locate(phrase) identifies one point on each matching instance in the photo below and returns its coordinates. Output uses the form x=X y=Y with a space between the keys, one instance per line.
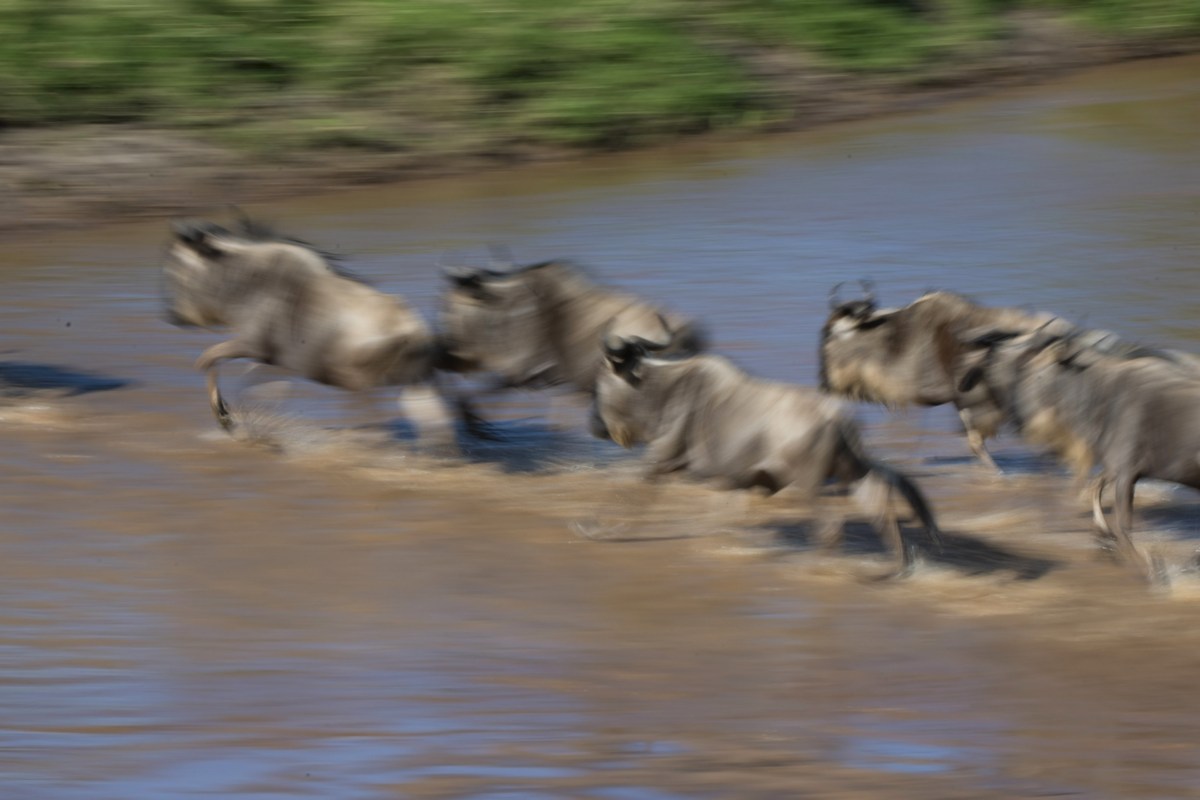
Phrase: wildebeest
x=908 y=356
x=541 y=325
x=292 y=306
x=1134 y=412
x=703 y=416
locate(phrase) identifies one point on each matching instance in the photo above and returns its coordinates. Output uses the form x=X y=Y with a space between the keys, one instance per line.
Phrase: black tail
x=912 y=495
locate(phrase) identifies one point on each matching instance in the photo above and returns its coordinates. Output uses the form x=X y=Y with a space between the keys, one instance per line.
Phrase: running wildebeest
x=1132 y=411
x=292 y=306
x=703 y=416
x=907 y=356
x=541 y=325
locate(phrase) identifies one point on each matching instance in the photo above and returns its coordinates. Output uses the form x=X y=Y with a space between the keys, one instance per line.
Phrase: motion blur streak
x=183 y=614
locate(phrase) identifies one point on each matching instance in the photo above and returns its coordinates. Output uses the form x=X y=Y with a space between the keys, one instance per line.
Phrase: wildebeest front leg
x=875 y=497
x=829 y=528
x=472 y=421
x=425 y=407
x=208 y=363
x=976 y=442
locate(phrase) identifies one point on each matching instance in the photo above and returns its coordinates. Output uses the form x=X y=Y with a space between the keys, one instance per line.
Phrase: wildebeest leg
x=829 y=529
x=1123 y=486
x=1103 y=533
x=874 y=496
x=976 y=442
x=424 y=406
x=475 y=424
x=207 y=363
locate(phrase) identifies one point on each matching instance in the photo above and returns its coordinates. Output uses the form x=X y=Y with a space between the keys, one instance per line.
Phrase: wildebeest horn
x=500 y=257
x=185 y=229
x=649 y=346
x=461 y=274
x=833 y=296
x=615 y=346
x=868 y=288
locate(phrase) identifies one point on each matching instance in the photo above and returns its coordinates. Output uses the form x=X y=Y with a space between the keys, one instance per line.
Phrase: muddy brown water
x=336 y=615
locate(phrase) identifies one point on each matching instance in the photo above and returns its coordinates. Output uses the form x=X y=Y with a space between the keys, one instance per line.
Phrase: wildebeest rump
x=703 y=416
x=908 y=356
x=542 y=325
x=292 y=306
x=1134 y=412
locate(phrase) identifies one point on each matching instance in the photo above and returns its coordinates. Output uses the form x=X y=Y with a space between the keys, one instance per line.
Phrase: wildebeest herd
x=1101 y=404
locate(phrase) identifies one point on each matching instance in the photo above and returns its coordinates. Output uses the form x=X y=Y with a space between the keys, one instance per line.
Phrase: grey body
x=703 y=416
x=909 y=356
x=288 y=305
x=1132 y=412
x=542 y=325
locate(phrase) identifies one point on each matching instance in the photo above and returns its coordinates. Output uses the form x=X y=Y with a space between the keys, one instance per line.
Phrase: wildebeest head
x=856 y=333
x=622 y=410
x=208 y=268
x=543 y=324
x=1009 y=365
x=192 y=274
x=491 y=320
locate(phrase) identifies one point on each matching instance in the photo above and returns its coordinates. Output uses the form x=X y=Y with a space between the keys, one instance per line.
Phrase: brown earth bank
x=75 y=176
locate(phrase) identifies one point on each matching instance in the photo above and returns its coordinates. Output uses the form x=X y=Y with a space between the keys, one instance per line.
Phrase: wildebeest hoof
x=225 y=420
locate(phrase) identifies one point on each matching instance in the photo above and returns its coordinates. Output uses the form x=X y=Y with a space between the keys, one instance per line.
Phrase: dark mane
x=258 y=231
x=561 y=262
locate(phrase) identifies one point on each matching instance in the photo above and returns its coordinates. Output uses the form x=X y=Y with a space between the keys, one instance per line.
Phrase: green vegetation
x=276 y=75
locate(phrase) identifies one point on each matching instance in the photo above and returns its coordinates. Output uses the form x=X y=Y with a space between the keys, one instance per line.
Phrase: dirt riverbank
x=73 y=176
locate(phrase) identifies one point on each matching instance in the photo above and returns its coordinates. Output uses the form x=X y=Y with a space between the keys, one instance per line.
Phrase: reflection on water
x=337 y=616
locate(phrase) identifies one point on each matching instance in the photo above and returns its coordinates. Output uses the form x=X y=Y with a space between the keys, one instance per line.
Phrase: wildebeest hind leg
x=874 y=496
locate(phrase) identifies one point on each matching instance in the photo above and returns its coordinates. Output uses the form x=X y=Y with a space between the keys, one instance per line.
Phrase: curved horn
x=499 y=257
x=649 y=346
x=459 y=273
x=868 y=288
x=834 y=300
x=615 y=347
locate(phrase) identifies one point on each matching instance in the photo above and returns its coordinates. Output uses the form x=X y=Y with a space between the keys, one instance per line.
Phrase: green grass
x=385 y=74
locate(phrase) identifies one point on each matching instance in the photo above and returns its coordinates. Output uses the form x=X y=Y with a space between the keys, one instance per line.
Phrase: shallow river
x=334 y=615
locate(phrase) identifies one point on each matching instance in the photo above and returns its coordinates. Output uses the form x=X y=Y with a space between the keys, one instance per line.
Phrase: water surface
x=185 y=615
